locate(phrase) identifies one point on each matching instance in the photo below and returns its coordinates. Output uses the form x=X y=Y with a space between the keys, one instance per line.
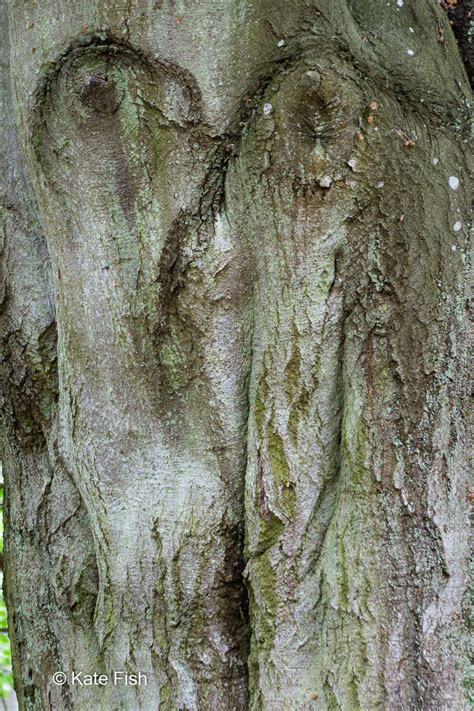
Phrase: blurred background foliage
x=6 y=677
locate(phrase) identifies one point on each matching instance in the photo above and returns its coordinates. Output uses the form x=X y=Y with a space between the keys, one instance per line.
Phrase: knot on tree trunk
x=102 y=95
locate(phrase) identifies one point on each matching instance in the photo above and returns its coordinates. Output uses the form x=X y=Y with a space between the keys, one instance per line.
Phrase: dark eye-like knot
x=100 y=93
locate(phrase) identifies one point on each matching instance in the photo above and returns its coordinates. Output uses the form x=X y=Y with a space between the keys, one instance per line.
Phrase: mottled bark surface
x=233 y=312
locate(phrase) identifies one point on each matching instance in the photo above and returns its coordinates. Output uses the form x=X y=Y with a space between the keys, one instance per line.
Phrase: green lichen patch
x=293 y=368
x=280 y=470
x=270 y=530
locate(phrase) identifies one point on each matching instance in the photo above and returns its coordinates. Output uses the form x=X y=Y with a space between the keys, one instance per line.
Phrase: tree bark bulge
x=233 y=315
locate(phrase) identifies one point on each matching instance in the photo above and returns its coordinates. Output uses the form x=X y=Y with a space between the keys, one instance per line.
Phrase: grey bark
x=233 y=321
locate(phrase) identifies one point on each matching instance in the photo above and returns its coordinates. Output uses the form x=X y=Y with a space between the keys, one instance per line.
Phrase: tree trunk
x=234 y=369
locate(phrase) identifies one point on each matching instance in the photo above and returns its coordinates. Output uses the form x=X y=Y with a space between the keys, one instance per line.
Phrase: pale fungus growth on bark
x=453 y=182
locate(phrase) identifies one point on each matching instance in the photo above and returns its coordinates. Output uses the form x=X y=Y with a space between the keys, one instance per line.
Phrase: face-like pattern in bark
x=241 y=243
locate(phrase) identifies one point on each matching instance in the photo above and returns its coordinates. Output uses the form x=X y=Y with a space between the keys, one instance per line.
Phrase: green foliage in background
x=6 y=677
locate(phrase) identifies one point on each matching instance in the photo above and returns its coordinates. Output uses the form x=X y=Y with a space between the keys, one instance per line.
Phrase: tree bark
x=234 y=369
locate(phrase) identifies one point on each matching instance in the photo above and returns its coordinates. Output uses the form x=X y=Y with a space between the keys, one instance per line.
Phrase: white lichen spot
x=410 y=53
x=400 y=3
x=457 y=226
x=435 y=161
x=453 y=182
x=325 y=181
x=352 y=163
x=453 y=248
x=380 y=184
x=267 y=109
x=281 y=43
x=411 y=30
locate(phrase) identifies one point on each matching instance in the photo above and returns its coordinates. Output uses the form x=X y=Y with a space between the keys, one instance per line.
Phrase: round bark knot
x=96 y=85
x=99 y=92
x=310 y=81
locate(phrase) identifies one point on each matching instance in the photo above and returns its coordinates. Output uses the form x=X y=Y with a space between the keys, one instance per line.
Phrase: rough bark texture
x=461 y=16
x=234 y=257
